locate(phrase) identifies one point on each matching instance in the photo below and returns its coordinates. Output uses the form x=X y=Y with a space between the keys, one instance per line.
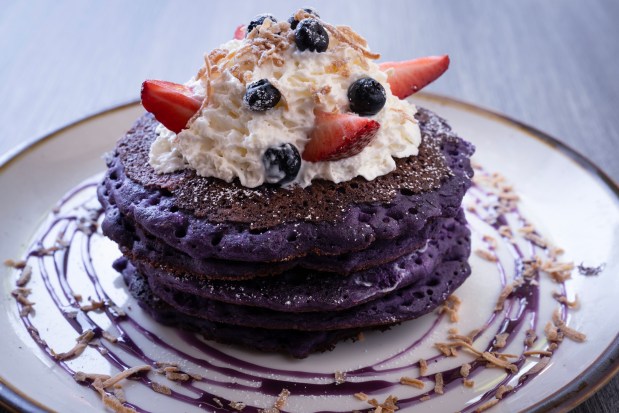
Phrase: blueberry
x=366 y=96
x=261 y=95
x=281 y=164
x=258 y=20
x=293 y=22
x=310 y=35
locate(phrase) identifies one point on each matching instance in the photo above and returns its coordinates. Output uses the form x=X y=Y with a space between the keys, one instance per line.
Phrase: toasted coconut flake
x=502 y=390
x=109 y=337
x=539 y=366
x=94 y=306
x=237 y=405
x=491 y=241
x=78 y=349
x=499 y=362
x=527 y=229
x=346 y=35
x=531 y=267
x=319 y=94
x=465 y=370
x=468 y=383
x=450 y=307
x=111 y=402
x=124 y=374
x=555 y=252
x=102 y=381
x=457 y=344
x=558 y=271
x=425 y=398
x=196 y=377
x=119 y=393
x=390 y=403
x=21 y=296
x=81 y=377
x=446 y=349
x=471 y=335
x=164 y=364
x=536 y=239
x=18 y=265
x=409 y=381
x=438 y=383
x=160 y=388
x=564 y=300
x=506 y=292
x=552 y=333
x=43 y=251
x=423 y=367
x=486 y=255
x=362 y=396
x=117 y=311
x=176 y=376
x=340 y=377
x=505 y=231
x=505 y=356
x=36 y=336
x=282 y=399
x=507 y=196
x=219 y=403
x=567 y=331
x=545 y=353
x=459 y=337
x=24 y=277
x=487 y=405
x=500 y=340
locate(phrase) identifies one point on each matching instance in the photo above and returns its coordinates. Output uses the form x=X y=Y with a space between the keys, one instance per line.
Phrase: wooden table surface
x=551 y=64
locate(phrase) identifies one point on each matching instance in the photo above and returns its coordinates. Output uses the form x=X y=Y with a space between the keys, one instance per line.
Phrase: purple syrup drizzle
x=526 y=298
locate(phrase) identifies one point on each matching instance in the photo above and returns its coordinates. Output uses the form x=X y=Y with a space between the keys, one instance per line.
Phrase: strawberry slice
x=239 y=33
x=171 y=103
x=337 y=136
x=411 y=76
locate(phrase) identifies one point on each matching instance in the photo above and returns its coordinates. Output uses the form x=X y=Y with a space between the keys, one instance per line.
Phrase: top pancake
x=209 y=218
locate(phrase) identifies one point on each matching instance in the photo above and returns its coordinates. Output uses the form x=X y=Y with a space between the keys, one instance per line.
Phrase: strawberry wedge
x=411 y=76
x=172 y=104
x=239 y=33
x=337 y=136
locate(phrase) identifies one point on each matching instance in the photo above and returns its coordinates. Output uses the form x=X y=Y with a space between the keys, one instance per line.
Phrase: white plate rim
x=580 y=388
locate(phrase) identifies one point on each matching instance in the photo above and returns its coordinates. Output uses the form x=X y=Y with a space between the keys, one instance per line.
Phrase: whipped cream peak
x=235 y=134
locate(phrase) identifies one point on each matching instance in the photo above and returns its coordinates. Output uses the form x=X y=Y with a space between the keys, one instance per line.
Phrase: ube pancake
x=298 y=344
x=209 y=218
x=138 y=245
x=301 y=291
x=400 y=305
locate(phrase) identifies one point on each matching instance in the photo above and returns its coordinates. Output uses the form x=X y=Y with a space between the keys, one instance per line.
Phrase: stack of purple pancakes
x=292 y=270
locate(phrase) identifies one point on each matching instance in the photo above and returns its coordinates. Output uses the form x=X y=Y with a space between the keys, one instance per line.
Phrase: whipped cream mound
x=226 y=140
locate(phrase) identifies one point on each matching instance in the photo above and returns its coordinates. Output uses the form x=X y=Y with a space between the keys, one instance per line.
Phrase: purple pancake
x=140 y=246
x=207 y=218
x=403 y=304
x=298 y=344
x=302 y=291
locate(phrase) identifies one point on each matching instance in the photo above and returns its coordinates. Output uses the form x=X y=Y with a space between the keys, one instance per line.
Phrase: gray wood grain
x=551 y=64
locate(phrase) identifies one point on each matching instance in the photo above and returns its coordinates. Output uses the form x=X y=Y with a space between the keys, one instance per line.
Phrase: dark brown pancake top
x=269 y=205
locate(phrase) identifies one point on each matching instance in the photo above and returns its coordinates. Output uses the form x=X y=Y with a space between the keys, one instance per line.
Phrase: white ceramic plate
x=571 y=203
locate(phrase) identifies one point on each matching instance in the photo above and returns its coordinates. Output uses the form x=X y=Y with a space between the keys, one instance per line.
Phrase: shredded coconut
x=409 y=381
x=438 y=383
